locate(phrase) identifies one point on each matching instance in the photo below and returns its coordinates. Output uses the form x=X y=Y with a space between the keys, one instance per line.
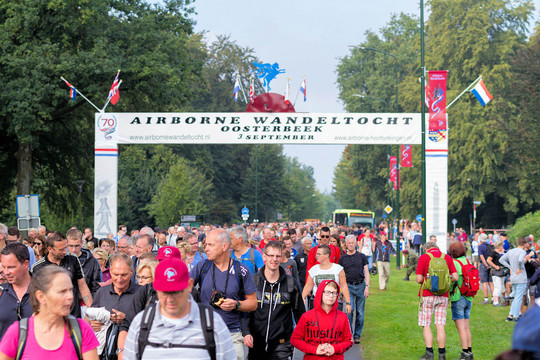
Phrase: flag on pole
x=481 y=92
x=114 y=92
x=236 y=89
x=393 y=171
x=72 y=90
x=287 y=90
x=303 y=88
x=251 y=91
x=406 y=156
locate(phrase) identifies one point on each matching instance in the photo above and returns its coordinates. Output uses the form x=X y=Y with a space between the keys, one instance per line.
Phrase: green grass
x=391 y=328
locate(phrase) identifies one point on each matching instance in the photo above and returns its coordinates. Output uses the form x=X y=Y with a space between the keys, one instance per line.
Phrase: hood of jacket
x=85 y=256
x=317 y=303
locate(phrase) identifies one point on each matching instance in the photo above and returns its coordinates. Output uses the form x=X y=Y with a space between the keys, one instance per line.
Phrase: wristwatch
x=119 y=350
x=367 y=285
x=347 y=303
x=238 y=304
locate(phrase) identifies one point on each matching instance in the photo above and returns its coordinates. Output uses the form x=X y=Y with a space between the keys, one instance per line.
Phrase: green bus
x=350 y=217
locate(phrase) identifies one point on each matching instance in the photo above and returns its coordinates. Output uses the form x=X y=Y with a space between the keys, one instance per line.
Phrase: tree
x=184 y=191
x=42 y=40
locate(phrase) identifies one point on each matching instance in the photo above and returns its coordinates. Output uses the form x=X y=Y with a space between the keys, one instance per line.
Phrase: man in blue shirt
x=226 y=284
x=243 y=252
x=196 y=254
x=483 y=268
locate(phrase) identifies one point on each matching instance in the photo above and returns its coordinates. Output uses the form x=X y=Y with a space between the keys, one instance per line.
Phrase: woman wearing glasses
x=324 y=331
x=145 y=272
x=49 y=329
x=40 y=249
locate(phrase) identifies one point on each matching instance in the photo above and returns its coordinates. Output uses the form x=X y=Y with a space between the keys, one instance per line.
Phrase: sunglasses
x=325 y=236
x=36 y=243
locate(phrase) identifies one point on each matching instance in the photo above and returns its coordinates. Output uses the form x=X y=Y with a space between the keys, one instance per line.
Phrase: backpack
x=438 y=277
x=74 y=329
x=251 y=259
x=471 y=279
x=207 y=324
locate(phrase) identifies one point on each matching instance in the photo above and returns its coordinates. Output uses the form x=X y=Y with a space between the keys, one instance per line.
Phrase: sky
x=306 y=38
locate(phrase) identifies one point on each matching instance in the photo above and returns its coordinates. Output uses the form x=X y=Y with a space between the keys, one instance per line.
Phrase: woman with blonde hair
x=145 y=272
x=102 y=257
x=50 y=329
x=185 y=249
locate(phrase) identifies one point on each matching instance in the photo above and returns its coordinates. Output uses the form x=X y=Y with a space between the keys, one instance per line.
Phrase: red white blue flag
x=236 y=89
x=303 y=88
x=481 y=92
x=251 y=92
x=72 y=90
x=114 y=92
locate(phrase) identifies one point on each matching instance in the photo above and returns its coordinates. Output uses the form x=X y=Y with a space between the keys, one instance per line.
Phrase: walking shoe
x=427 y=356
x=357 y=340
x=405 y=279
x=485 y=302
x=509 y=318
x=500 y=304
x=465 y=356
x=442 y=356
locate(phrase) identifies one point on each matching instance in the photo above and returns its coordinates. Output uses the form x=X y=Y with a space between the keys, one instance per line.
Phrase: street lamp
x=474 y=205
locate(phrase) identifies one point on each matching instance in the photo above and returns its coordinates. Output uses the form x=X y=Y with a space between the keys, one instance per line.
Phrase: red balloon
x=270 y=102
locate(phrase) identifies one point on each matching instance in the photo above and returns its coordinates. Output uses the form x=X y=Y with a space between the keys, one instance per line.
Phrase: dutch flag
x=303 y=88
x=481 y=92
x=236 y=89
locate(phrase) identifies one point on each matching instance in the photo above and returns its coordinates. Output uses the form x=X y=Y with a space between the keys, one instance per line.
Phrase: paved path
x=354 y=353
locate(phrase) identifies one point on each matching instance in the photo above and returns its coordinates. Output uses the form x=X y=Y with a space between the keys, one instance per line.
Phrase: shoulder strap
x=146 y=325
x=252 y=259
x=290 y=284
x=239 y=278
x=23 y=333
x=206 y=265
x=74 y=329
x=207 y=323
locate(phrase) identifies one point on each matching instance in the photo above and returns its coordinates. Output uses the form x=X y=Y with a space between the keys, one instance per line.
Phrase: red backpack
x=471 y=279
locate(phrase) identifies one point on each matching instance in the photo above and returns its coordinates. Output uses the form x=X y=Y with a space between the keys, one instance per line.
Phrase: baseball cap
x=168 y=252
x=527 y=331
x=171 y=275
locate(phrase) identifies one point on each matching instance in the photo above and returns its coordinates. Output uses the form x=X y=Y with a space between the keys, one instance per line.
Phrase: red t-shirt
x=423 y=266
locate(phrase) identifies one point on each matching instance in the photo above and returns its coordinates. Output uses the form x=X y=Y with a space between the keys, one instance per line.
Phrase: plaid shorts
x=439 y=304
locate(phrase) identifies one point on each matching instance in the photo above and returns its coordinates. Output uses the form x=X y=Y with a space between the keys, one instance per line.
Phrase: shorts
x=461 y=309
x=475 y=258
x=430 y=304
x=530 y=290
x=485 y=274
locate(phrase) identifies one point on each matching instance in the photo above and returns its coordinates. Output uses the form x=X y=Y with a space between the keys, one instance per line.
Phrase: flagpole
x=80 y=93
x=242 y=89
x=464 y=91
x=297 y=92
x=110 y=97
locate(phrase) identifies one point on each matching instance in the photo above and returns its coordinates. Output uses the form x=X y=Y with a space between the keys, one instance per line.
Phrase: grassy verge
x=391 y=328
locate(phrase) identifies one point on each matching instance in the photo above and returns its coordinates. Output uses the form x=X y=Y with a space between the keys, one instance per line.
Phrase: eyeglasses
x=325 y=236
x=330 y=293
x=144 y=277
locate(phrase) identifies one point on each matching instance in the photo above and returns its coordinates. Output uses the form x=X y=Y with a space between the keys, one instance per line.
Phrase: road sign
x=245 y=217
x=454 y=221
x=477 y=202
x=419 y=217
x=27 y=205
x=384 y=216
x=245 y=211
x=388 y=209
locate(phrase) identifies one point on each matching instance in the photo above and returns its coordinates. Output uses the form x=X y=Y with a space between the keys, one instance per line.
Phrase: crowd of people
x=213 y=291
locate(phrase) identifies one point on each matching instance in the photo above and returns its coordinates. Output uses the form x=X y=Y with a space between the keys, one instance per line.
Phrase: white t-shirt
x=319 y=275
x=474 y=246
x=366 y=246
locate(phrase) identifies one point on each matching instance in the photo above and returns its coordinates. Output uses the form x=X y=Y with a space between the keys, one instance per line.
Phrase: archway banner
x=258 y=128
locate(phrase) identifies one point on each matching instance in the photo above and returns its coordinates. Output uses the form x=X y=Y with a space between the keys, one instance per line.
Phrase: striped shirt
x=187 y=330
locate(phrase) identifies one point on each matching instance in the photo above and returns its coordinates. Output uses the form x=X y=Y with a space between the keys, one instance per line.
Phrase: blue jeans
x=370 y=262
x=358 y=302
x=518 y=290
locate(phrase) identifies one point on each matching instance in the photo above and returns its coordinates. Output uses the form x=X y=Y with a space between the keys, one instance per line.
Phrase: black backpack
x=74 y=329
x=207 y=323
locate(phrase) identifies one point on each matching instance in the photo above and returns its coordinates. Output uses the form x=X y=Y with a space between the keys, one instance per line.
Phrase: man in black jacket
x=267 y=331
x=90 y=266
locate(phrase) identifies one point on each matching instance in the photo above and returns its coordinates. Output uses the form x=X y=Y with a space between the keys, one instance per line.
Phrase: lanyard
x=226 y=280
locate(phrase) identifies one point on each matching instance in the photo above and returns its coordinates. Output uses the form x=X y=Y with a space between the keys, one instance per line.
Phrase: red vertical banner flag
x=393 y=171
x=406 y=156
x=437 y=105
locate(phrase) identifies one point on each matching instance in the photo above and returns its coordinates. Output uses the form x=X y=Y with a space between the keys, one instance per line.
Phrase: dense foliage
x=492 y=146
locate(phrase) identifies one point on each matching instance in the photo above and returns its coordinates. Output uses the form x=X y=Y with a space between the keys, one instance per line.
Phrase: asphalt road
x=354 y=353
